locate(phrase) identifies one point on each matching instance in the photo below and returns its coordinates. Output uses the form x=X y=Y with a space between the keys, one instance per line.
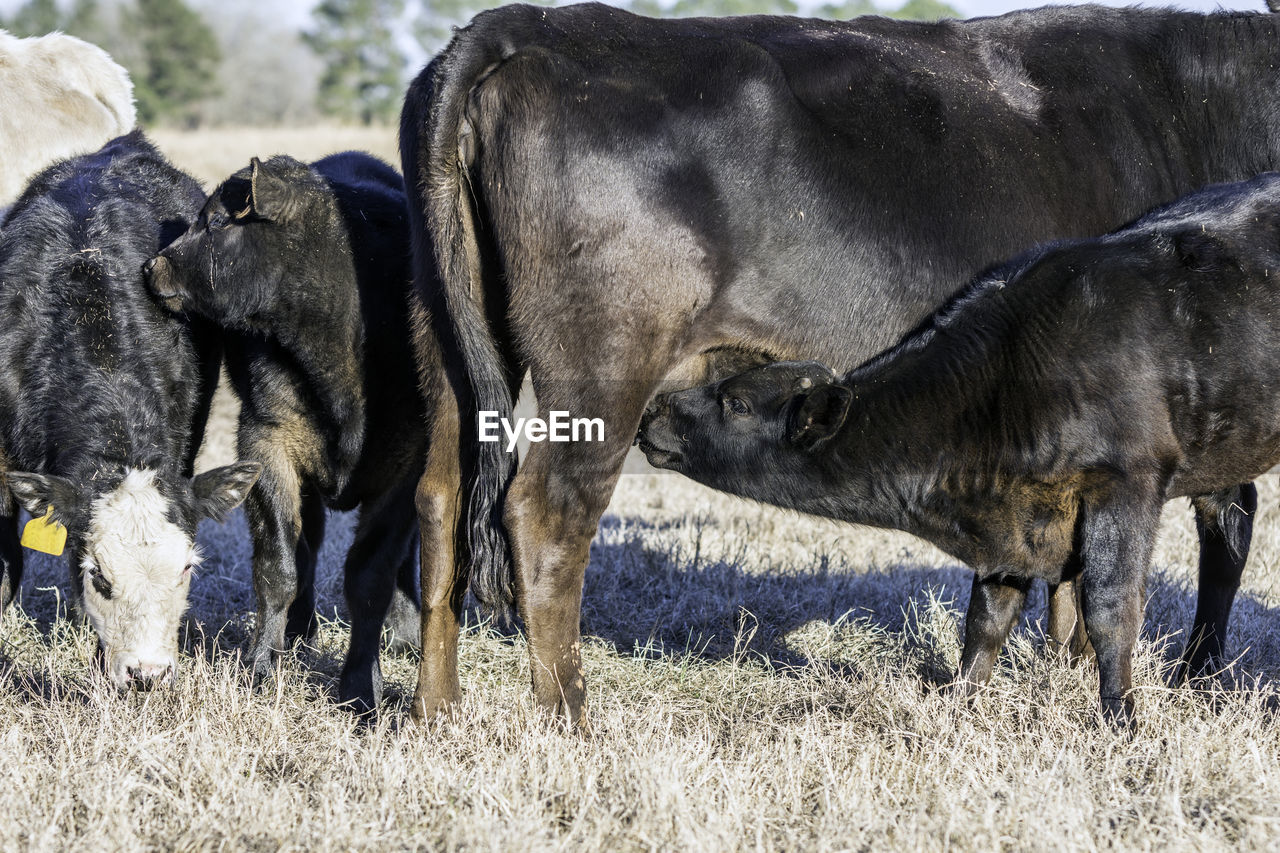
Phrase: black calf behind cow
x=306 y=270
x=103 y=398
x=1036 y=424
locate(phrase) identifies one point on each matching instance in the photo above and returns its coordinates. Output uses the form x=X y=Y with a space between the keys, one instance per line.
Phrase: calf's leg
x=404 y=619
x=274 y=511
x=383 y=537
x=1067 y=634
x=302 y=623
x=994 y=606
x=10 y=554
x=1224 y=521
x=1117 y=538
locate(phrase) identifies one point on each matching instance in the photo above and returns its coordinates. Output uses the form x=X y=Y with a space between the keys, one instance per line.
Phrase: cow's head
x=749 y=434
x=133 y=543
x=230 y=264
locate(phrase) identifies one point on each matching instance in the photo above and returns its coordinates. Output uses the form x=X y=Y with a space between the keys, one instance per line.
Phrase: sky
x=292 y=11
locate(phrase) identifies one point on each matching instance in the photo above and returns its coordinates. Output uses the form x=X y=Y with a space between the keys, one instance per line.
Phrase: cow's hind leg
x=384 y=535
x=552 y=512
x=1224 y=521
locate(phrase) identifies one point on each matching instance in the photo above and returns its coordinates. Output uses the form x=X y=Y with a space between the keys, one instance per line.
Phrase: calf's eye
x=737 y=406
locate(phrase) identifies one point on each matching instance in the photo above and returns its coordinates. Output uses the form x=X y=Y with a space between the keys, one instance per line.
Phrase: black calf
x=1035 y=425
x=306 y=267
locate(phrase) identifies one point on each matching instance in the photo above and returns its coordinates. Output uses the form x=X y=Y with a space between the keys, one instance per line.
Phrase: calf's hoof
x=403 y=627
x=360 y=690
x=302 y=625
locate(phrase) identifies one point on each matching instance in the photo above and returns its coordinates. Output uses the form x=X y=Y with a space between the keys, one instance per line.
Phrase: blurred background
x=277 y=63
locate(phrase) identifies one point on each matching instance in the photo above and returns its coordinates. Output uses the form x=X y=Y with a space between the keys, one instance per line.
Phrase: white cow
x=59 y=96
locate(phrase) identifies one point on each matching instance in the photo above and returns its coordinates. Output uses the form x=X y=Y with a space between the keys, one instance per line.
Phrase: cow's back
x=805 y=179
x=90 y=365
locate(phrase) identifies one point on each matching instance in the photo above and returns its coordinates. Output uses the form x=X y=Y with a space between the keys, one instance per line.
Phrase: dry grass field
x=759 y=681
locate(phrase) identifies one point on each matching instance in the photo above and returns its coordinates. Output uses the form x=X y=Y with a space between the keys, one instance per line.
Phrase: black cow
x=104 y=396
x=617 y=201
x=307 y=270
x=1036 y=424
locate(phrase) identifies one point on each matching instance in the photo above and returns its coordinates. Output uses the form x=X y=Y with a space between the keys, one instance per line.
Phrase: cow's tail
x=437 y=148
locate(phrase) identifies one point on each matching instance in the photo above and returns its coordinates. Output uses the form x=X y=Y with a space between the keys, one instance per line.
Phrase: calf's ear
x=36 y=493
x=223 y=489
x=819 y=416
x=270 y=197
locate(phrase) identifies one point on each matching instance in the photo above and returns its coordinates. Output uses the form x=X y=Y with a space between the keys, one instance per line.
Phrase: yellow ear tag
x=45 y=535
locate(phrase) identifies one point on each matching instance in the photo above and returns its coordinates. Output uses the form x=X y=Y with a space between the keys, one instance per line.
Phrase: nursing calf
x=306 y=270
x=103 y=398
x=1034 y=426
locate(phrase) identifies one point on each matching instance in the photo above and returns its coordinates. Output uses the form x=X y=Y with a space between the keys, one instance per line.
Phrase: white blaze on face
x=137 y=571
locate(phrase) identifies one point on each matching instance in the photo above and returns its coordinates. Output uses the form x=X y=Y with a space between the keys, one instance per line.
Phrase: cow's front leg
x=994 y=606
x=1117 y=539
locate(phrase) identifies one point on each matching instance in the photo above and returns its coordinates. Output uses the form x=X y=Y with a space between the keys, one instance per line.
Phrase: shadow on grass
x=646 y=595
x=661 y=600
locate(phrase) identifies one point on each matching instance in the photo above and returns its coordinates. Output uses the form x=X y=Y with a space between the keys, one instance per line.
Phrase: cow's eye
x=98 y=581
x=736 y=406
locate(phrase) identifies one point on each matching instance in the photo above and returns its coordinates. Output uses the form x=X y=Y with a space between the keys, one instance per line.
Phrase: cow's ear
x=270 y=197
x=1200 y=251
x=223 y=489
x=819 y=416
x=37 y=493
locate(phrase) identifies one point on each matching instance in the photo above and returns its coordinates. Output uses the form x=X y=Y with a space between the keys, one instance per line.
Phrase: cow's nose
x=148 y=675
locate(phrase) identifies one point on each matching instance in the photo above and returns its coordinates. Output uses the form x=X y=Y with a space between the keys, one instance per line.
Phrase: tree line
x=211 y=60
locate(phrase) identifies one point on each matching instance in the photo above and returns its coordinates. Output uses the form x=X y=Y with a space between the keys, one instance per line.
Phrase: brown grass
x=759 y=681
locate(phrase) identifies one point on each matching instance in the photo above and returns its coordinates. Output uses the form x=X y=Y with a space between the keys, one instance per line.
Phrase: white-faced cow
x=104 y=396
x=617 y=201
x=59 y=96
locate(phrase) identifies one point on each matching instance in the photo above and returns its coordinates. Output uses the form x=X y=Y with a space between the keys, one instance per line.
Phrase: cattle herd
x=1002 y=283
